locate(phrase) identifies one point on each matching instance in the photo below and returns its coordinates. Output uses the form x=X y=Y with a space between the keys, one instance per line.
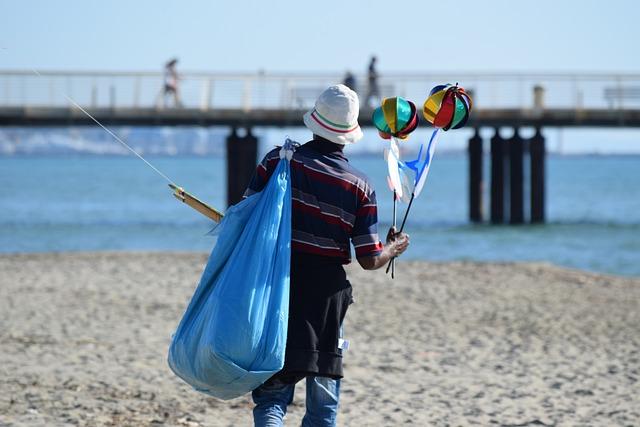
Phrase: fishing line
x=112 y=134
x=178 y=192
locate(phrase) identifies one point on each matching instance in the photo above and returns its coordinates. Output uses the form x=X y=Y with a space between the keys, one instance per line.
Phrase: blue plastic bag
x=233 y=334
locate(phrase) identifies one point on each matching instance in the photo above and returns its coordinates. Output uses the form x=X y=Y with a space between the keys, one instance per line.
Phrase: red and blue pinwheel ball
x=447 y=107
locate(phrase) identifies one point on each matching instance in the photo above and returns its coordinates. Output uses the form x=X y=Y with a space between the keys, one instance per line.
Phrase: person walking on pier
x=373 y=91
x=170 y=85
x=350 y=81
x=333 y=206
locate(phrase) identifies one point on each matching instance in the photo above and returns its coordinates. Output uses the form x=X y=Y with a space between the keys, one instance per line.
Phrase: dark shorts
x=319 y=298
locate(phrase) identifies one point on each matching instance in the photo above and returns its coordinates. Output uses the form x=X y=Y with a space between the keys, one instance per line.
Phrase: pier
x=244 y=101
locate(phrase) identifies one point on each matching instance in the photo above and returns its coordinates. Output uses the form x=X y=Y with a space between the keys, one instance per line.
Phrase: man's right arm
x=396 y=244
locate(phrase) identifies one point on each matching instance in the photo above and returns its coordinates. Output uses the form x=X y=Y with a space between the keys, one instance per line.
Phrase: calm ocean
x=83 y=202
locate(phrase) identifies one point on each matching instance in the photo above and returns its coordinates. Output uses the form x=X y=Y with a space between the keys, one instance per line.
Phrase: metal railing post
x=94 y=95
x=619 y=93
x=285 y=101
x=136 y=92
x=521 y=90
x=23 y=91
x=205 y=94
x=246 y=103
x=51 y=91
x=69 y=87
x=6 y=90
x=112 y=96
x=210 y=99
x=576 y=94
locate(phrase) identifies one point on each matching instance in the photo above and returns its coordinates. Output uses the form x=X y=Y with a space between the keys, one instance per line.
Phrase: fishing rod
x=178 y=192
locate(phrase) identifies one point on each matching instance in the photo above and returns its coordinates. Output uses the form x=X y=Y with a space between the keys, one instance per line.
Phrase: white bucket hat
x=335 y=116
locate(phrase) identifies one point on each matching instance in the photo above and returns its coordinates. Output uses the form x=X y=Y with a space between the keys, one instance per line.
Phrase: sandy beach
x=84 y=336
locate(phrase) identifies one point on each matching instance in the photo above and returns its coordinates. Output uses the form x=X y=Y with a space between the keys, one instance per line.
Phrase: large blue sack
x=233 y=334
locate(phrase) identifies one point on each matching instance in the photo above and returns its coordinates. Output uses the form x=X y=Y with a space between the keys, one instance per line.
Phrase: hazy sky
x=331 y=35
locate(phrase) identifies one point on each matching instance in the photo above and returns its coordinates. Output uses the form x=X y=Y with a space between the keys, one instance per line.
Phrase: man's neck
x=330 y=146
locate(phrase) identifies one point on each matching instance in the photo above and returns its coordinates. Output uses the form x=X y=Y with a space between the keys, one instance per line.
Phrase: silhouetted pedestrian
x=170 y=85
x=350 y=81
x=373 y=89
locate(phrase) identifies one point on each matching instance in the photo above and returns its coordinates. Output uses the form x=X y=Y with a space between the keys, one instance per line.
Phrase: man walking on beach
x=333 y=205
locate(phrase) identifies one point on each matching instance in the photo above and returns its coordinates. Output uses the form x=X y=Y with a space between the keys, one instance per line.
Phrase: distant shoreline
x=16 y=256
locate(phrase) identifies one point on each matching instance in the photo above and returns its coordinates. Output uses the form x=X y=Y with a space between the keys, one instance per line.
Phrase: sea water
x=91 y=203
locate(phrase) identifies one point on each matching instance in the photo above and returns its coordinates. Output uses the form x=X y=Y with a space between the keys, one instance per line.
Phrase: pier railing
x=205 y=91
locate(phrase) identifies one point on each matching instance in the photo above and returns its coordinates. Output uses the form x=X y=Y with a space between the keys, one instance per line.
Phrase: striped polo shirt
x=333 y=204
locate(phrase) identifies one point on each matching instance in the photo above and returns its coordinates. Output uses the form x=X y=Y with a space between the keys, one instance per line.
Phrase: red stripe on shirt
x=328 y=179
x=366 y=210
x=311 y=249
x=315 y=211
x=369 y=250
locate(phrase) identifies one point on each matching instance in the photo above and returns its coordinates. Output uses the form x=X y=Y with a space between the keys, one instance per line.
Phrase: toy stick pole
x=406 y=214
x=393 y=264
x=196 y=203
x=404 y=220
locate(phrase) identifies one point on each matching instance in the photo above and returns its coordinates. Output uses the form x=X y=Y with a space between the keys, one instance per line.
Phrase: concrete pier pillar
x=516 y=178
x=242 y=157
x=537 y=150
x=475 y=177
x=497 y=178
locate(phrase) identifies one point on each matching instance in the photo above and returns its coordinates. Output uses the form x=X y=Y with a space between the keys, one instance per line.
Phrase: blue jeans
x=272 y=399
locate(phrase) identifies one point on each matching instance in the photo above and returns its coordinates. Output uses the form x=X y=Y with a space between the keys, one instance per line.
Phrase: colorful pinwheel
x=395 y=119
x=447 y=107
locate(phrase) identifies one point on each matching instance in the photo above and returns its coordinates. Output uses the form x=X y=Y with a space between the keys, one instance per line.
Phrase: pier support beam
x=497 y=178
x=516 y=178
x=242 y=154
x=475 y=178
x=537 y=150
x=507 y=175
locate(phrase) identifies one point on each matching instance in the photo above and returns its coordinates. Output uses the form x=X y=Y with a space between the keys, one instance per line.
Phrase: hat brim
x=343 y=138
